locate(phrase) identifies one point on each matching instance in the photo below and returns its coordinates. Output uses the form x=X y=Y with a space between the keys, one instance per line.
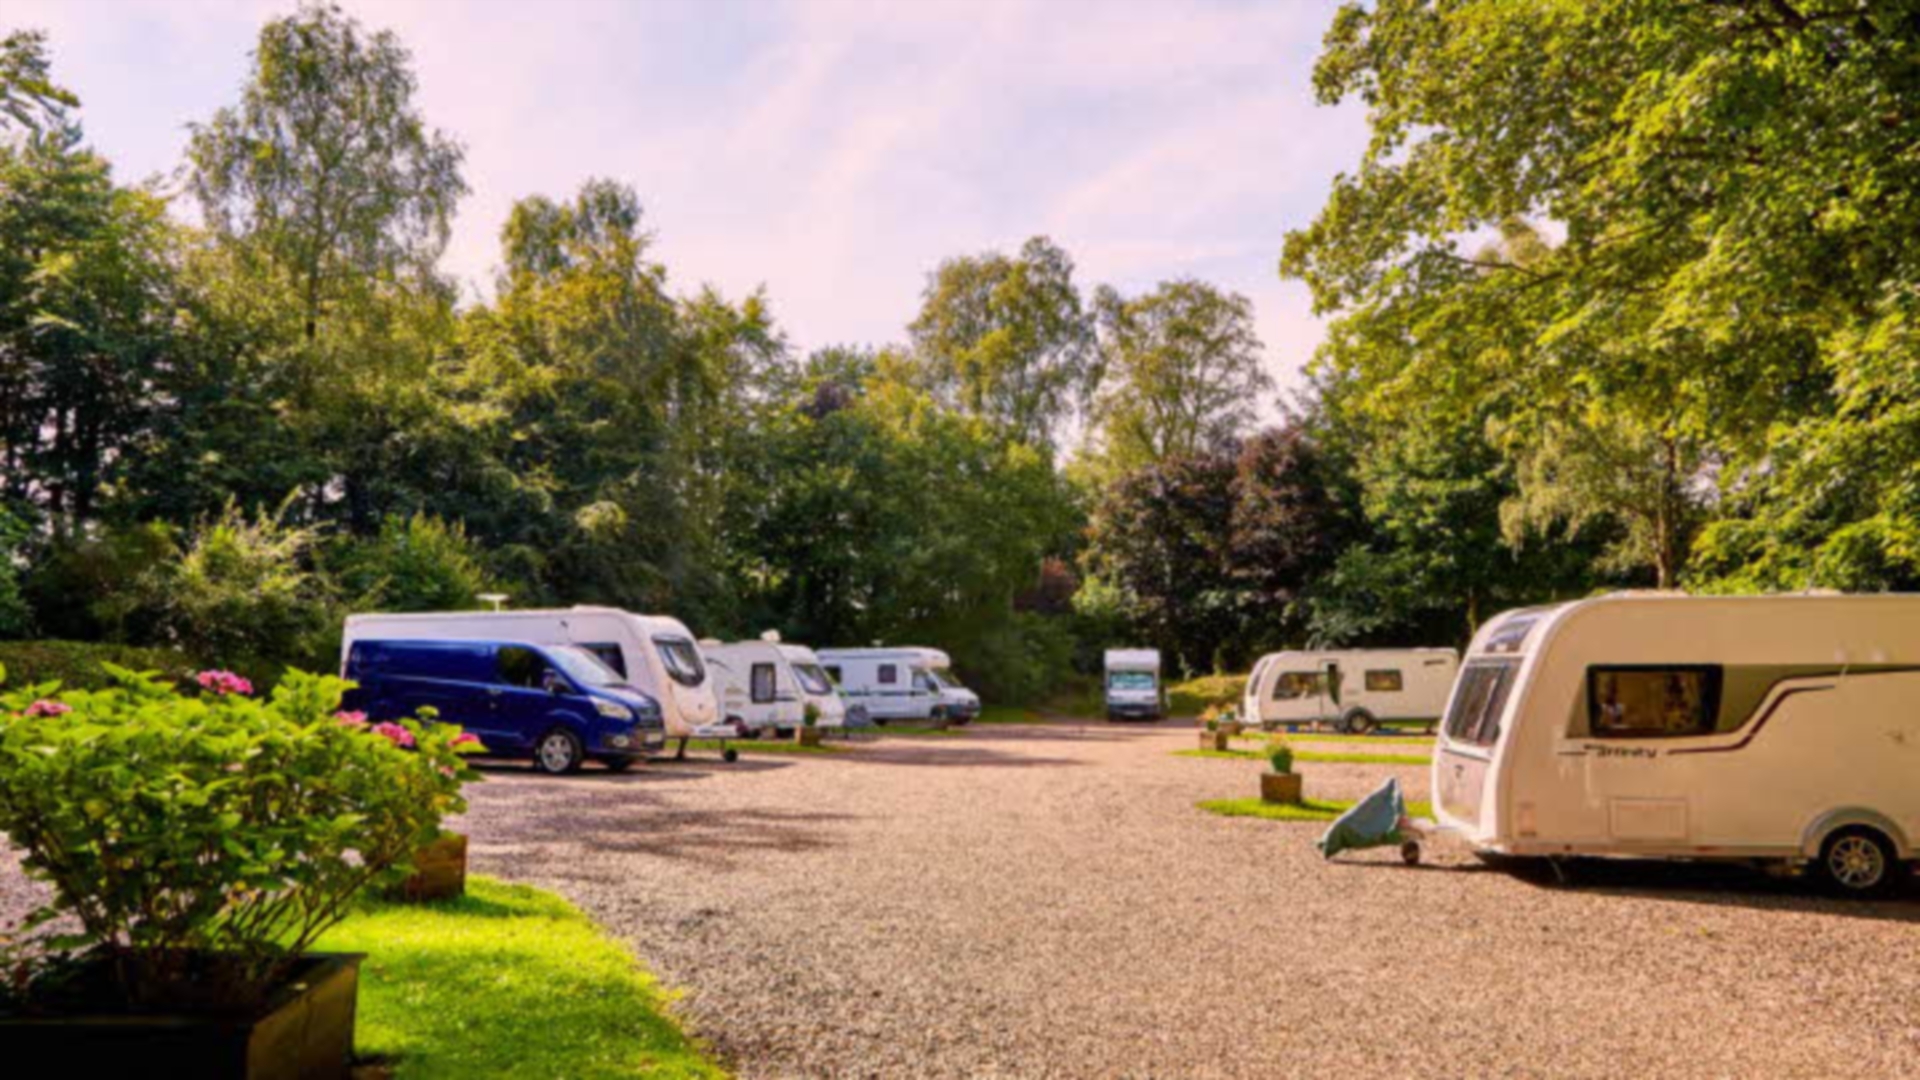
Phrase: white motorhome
x=903 y=682
x=765 y=686
x=1354 y=690
x=1775 y=729
x=1132 y=685
x=656 y=653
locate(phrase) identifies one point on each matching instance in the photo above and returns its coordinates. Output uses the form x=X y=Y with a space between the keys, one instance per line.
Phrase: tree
x=326 y=170
x=418 y=563
x=1180 y=372
x=1007 y=338
x=30 y=101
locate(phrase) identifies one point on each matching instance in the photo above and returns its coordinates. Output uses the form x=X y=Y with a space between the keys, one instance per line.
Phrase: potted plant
x=196 y=846
x=809 y=730
x=1230 y=719
x=1211 y=736
x=1280 y=784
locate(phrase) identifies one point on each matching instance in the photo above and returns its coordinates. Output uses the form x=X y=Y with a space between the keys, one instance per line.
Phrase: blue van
x=556 y=704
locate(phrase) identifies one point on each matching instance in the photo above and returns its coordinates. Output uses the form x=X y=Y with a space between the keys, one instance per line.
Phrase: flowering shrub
x=223 y=682
x=202 y=843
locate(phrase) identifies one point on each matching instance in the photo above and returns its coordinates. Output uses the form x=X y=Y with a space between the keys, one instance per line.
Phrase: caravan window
x=1652 y=702
x=833 y=672
x=1293 y=685
x=1478 y=701
x=682 y=660
x=889 y=674
x=761 y=683
x=812 y=679
x=609 y=655
x=1384 y=682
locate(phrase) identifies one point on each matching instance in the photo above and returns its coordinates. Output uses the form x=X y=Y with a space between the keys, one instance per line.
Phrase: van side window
x=889 y=675
x=609 y=655
x=1384 y=682
x=520 y=666
x=923 y=683
x=1653 y=702
x=1293 y=685
x=760 y=680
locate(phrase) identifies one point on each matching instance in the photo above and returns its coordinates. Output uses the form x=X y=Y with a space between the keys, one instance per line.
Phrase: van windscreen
x=1473 y=717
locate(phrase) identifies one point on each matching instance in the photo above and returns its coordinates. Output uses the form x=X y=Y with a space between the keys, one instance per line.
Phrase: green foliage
x=16 y=618
x=29 y=98
x=1280 y=756
x=1188 y=698
x=1304 y=810
x=82 y=665
x=202 y=843
x=481 y=984
x=418 y=563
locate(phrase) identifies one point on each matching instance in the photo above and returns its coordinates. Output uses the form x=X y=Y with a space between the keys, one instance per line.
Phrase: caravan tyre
x=1357 y=722
x=1858 y=862
x=558 y=752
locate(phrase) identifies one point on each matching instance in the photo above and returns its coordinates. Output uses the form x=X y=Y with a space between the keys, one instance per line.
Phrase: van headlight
x=612 y=710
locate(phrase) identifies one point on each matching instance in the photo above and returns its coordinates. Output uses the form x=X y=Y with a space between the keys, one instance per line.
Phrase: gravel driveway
x=1045 y=901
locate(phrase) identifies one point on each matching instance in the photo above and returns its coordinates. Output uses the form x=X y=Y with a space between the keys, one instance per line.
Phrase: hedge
x=76 y=664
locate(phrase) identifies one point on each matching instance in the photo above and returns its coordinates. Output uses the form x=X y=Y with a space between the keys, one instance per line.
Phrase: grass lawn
x=1307 y=810
x=509 y=981
x=1330 y=758
x=1417 y=742
x=750 y=747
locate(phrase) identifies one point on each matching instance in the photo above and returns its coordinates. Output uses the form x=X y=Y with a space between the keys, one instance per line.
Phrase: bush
x=1190 y=697
x=416 y=564
x=82 y=665
x=202 y=842
x=1280 y=756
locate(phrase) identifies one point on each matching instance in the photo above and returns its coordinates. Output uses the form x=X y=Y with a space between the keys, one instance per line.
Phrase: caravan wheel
x=1357 y=722
x=1857 y=862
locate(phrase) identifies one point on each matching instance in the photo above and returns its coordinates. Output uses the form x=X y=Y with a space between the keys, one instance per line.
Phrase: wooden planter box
x=1233 y=727
x=440 y=871
x=1280 y=787
x=807 y=736
x=304 y=1031
x=1214 y=740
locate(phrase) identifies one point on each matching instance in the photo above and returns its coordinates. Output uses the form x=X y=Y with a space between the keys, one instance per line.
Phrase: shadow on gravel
x=548 y=832
x=657 y=772
x=944 y=754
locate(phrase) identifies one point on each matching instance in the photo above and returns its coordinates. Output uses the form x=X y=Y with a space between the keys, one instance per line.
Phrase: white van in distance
x=1355 y=690
x=1782 y=730
x=656 y=653
x=1133 y=685
x=903 y=682
x=765 y=686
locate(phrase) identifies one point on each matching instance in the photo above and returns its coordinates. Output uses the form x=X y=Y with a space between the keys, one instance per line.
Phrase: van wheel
x=558 y=753
x=1857 y=861
x=1358 y=722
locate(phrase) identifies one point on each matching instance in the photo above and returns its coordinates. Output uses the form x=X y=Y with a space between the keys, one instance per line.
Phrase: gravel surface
x=1045 y=901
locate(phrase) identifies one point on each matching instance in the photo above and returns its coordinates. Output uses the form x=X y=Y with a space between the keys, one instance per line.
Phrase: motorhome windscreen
x=1473 y=717
x=947 y=680
x=584 y=668
x=812 y=679
x=1130 y=680
x=682 y=660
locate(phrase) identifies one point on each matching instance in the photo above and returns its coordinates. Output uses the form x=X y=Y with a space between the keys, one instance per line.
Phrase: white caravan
x=1354 y=690
x=1775 y=729
x=902 y=682
x=657 y=654
x=765 y=686
x=1132 y=684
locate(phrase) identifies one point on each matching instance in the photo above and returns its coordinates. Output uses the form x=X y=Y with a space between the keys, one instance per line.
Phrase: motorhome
x=903 y=682
x=656 y=654
x=1353 y=690
x=556 y=704
x=1772 y=729
x=765 y=686
x=1132 y=685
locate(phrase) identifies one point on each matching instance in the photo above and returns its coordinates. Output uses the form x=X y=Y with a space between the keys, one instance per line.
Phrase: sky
x=832 y=152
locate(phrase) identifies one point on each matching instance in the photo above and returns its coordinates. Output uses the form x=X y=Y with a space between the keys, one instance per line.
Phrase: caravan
x=656 y=654
x=1132 y=685
x=1772 y=729
x=1354 y=690
x=765 y=686
x=902 y=682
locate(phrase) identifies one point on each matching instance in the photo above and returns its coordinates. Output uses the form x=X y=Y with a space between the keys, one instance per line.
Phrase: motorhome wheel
x=1857 y=862
x=559 y=753
x=1357 y=722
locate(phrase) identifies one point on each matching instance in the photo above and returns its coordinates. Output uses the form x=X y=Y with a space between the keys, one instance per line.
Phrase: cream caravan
x=1353 y=690
x=655 y=653
x=1774 y=729
x=765 y=686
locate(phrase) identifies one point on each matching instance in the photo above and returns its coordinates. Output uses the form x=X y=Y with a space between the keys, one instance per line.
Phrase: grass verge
x=1421 y=742
x=1330 y=758
x=509 y=981
x=1305 y=810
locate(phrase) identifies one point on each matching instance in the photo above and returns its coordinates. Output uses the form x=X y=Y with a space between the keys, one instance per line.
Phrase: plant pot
x=304 y=1031
x=1280 y=787
x=1233 y=727
x=440 y=871
x=806 y=736
x=1213 y=740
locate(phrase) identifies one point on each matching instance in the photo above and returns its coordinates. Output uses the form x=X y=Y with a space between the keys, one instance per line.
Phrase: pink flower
x=465 y=738
x=395 y=734
x=351 y=718
x=48 y=708
x=223 y=682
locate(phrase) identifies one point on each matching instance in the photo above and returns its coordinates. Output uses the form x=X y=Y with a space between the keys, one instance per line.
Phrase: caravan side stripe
x=1758 y=724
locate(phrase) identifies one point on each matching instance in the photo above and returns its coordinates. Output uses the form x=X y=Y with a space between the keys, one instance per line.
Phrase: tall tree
x=31 y=103
x=1007 y=338
x=1180 y=372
